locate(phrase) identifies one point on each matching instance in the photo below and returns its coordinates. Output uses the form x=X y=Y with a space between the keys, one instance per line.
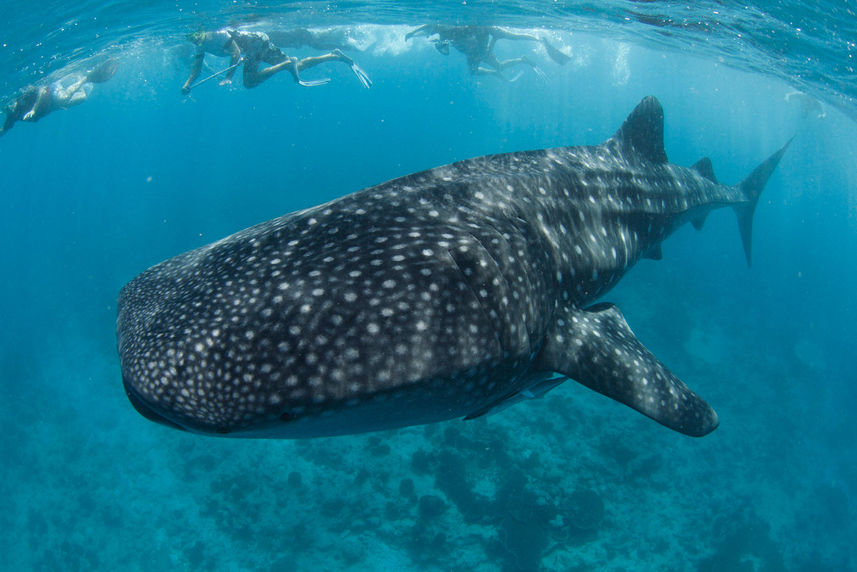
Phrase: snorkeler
x=477 y=45
x=252 y=49
x=218 y=44
x=808 y=104
x=35 y=102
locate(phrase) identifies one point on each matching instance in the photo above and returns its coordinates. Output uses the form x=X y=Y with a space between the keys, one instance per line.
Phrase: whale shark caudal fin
x=595 y=347
x=643 y=132
x=751 y=188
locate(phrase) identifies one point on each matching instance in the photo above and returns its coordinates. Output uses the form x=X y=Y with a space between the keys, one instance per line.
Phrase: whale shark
x=449 y=293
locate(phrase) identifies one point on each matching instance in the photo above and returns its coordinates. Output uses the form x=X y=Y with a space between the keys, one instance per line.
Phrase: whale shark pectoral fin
x=596 y=347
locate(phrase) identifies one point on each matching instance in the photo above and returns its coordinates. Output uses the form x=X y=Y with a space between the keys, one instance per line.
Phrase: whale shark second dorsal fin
x=706 y=169
x=643 y=131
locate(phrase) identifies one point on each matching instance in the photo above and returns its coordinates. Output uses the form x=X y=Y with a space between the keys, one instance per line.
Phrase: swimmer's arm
x=40 y=107
x=195 y=70
x=234 y=58
x=422 y=30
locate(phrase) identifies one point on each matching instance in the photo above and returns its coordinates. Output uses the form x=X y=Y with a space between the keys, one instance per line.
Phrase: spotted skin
x=447 y=293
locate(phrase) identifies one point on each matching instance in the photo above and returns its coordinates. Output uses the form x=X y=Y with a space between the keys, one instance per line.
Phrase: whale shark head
x=347 y=318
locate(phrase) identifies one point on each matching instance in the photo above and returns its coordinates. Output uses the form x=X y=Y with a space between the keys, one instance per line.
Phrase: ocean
x=140 y=172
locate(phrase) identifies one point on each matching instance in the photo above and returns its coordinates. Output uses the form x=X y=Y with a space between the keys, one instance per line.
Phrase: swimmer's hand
x=227 y=81
x=29 y=115
x=185 y=89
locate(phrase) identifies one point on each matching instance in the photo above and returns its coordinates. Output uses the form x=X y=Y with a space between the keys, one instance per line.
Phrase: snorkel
x=196 y=38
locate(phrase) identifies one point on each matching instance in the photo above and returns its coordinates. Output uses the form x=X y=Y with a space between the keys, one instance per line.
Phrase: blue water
x=95 y=194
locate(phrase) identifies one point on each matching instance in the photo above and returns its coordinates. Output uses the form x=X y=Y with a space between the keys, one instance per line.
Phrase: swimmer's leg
x=334 y=56
x=75 y=98
x=253 y=76
x=506 y=64
x=482 y=70
x=503 y=34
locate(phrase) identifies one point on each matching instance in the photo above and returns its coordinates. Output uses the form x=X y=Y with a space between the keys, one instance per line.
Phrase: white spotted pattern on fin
x=596 y=347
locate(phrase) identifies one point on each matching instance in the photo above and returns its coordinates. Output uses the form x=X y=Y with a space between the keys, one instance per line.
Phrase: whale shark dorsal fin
x=596 y=347
x=643 y=131
x=706 y=169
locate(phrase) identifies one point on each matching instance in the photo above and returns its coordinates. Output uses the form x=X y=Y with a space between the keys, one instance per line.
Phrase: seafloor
x=561 y=483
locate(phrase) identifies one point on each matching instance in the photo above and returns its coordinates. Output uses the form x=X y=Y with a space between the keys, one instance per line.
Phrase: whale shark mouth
x=145 y=409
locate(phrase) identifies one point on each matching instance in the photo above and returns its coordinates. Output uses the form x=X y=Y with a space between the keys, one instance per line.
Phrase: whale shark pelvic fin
x=596 y=347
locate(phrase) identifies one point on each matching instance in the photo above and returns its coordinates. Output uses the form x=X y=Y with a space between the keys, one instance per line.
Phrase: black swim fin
x=103 y=72
x=555 y=54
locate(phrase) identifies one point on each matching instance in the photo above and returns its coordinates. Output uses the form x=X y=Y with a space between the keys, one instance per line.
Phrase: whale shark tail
x=751 y=188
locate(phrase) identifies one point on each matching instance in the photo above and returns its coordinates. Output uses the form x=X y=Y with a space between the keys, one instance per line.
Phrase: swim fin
x=313 y=82
x=358 y=71
x=103 y=72
x=514 y=78
x=361 y=75
x=555 y=54
x=540 y=73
